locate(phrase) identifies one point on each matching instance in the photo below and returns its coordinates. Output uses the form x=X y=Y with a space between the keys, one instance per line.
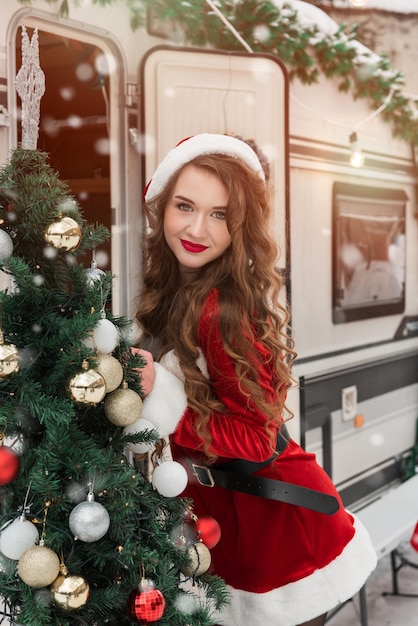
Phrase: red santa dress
x=283 y=564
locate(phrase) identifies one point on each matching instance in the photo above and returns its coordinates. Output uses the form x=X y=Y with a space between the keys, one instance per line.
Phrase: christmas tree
x=85 y=538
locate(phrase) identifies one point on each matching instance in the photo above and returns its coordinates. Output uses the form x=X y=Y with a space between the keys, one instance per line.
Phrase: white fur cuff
x=166 y=403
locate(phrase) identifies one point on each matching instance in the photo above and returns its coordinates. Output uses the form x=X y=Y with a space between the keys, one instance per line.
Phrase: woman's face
x=195 y=218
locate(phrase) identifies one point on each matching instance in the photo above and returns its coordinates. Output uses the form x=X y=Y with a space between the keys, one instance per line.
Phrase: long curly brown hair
x=249 y=288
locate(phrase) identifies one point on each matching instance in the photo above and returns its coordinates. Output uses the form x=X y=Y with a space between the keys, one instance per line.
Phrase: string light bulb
x=359 y=3
x=356 y=156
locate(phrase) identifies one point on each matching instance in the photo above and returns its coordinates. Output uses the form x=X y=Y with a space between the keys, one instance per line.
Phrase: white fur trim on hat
x=195 y=146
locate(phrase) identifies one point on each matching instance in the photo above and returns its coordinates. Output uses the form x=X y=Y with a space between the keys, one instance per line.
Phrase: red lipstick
x=192 y=247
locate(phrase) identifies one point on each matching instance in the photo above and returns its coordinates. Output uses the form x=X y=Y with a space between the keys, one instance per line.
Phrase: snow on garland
x=301 y=35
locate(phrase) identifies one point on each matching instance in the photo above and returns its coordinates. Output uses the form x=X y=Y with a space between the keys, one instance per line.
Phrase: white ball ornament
x=89 y=521
x=105 y=336
x=18 y=537
x=6 y=247
x=170 y=479
x=135 y=428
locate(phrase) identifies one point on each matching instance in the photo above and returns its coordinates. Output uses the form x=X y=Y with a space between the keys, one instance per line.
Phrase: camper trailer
x=116 y=100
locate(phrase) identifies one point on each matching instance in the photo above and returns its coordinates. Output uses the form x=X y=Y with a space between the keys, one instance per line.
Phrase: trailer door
x=186 y=91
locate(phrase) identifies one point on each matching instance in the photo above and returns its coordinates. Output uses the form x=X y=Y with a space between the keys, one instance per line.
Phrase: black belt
x=236 y=475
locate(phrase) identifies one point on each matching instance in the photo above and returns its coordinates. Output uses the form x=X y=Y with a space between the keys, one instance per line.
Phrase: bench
x=389 y=520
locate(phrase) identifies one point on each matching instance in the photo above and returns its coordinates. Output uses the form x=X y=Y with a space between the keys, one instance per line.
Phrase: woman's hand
x=147 y=372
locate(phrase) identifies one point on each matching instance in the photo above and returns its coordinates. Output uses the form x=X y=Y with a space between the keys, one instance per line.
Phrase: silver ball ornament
x=89 y=521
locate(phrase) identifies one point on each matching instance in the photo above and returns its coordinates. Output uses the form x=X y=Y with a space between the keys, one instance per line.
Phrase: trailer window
x=369 y=252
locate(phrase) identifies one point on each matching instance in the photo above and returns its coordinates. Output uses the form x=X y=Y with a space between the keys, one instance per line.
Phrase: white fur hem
x=309 y=597
x=166 y=403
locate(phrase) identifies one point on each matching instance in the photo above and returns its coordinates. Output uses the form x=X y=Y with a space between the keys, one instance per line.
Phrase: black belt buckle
x=203 y=475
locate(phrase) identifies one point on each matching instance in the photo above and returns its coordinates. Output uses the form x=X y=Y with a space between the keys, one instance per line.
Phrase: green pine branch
x=307 y=52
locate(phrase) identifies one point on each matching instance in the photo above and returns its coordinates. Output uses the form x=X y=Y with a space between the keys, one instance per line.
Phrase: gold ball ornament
x=69 y=592
x=111 y=370
x=38 y=566
x=199 y=559
x=63 y=234
x=87 y=387
x=8 y=358
x=123 y=406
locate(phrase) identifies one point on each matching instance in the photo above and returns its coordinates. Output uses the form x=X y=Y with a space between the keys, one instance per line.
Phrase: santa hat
x=195 y=146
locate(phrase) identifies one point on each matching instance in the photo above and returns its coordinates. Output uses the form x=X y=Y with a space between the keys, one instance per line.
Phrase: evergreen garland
x=307 y=52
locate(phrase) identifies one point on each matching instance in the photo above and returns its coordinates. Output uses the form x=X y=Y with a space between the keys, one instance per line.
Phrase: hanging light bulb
x=356 y=157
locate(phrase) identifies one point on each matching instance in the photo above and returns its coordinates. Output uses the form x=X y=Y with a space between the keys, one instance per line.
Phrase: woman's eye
x=220 y=215
x=184 y=207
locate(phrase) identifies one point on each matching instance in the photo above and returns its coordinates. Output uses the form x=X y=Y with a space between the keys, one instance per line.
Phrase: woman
x=210 y=314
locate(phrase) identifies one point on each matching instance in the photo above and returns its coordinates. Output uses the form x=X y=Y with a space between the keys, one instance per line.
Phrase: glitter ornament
x=123 y=407
x=63 y=234
x=87 y=387
x=17 y=537
x=208 y=531
x=38 y=566
x=89 y=521
x=146 y=604
x=170 y=479
x=199 y=560
x=136 y=428
x=6 y=247
x=111 y=370
x=69 y=592
x=9 y=464
x=8 y=358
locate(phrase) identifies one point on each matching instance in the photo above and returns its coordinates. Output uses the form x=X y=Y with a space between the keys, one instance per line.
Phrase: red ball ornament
x=146 y=604
x=208 y=531
x=9 y=465
x=414 y=538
